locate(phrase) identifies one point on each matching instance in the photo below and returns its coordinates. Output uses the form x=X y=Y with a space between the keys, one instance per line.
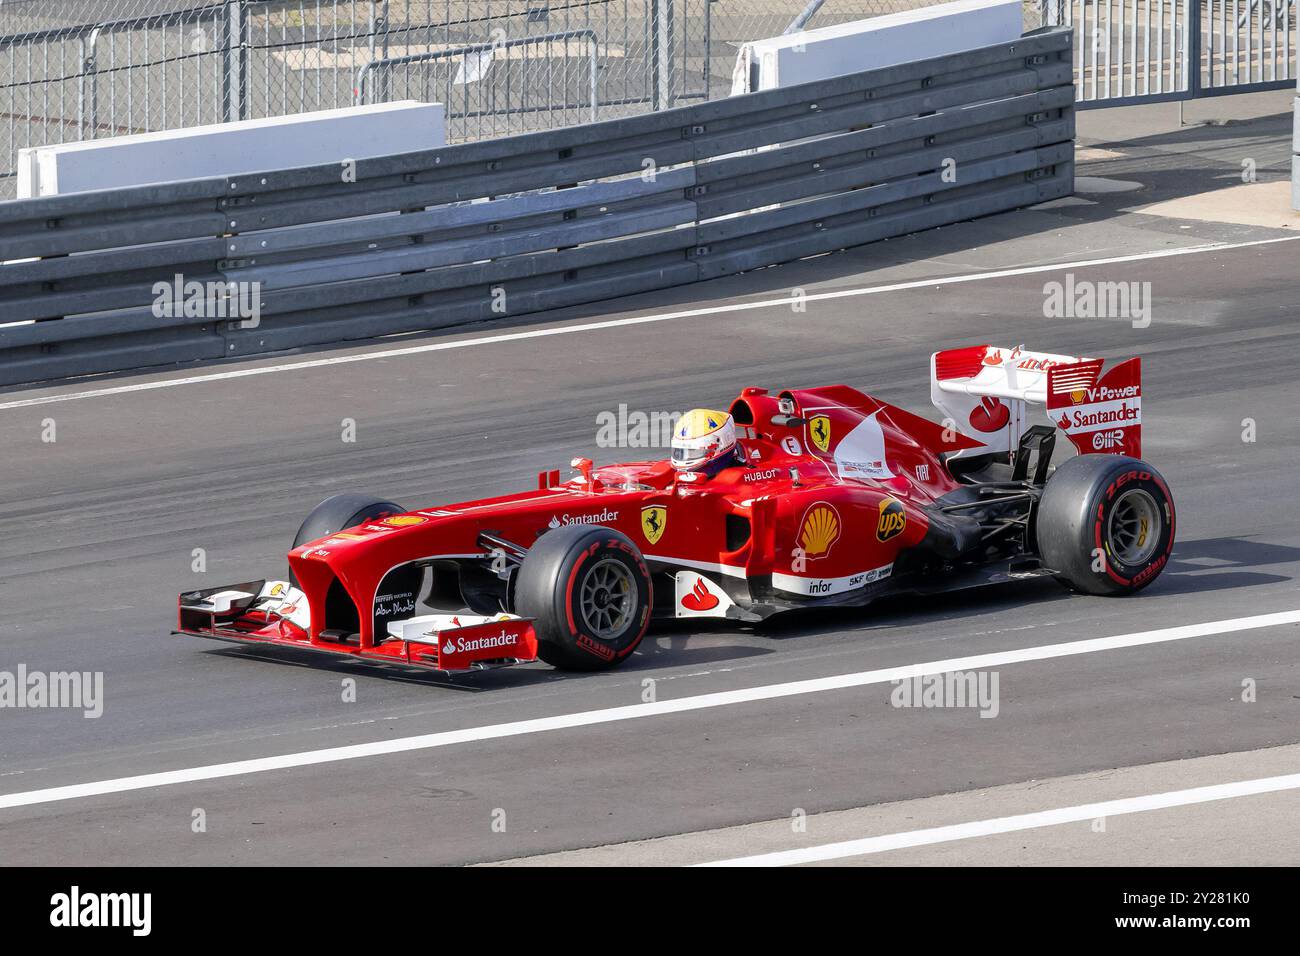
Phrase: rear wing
x=988 y=393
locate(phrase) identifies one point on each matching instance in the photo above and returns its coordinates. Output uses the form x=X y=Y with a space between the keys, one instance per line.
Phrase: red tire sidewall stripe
x=1101 y=520
x=640 y=566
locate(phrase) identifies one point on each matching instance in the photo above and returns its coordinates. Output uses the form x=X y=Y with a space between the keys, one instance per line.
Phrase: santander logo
x=989 y=415
x=700 y=598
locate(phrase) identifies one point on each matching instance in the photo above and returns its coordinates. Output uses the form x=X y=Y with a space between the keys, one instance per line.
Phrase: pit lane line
x=784 y=301
x=1023 y=821
x=633 y=711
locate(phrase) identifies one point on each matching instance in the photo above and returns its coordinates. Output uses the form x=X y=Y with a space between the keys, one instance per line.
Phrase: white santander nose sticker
x=697 y=596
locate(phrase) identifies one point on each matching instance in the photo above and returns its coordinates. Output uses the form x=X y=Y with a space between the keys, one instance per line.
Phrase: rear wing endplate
x=988 y=394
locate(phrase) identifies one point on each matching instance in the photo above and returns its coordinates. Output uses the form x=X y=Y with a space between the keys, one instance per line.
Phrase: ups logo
x=892 y=519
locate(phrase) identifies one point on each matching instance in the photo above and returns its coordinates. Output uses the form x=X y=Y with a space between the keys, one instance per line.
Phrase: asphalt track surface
x=98 y=529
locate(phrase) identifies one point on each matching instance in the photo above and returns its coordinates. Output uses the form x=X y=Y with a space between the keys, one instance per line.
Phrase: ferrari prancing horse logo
x=654 y=520
x=819 y=427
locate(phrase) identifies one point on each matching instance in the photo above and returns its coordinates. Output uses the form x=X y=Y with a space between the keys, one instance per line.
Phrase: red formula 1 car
x=833 y=498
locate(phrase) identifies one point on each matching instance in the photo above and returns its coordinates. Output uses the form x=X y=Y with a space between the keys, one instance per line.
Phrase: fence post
x=379 y=22
x=1194 y=48
x=88 y=87
x=661 y=53
x=234 y=63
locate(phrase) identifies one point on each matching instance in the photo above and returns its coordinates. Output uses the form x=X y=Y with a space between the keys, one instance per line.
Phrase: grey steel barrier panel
x=668 y=246
x=240 y=194
x=433 y=267
x=818 y=211
x=464 y=251
x=77 y=304
x=116 y=323
x=337 y=297
x=576 y=212
x=450 y=217
x=1013 y=109
x=548 y=141
x=831 y=116
x=111 y=200
x=364 y=203
x=108 y=353
x=427 y=255
x=768 y=251
x=88 y=266
x=544 y=291
x=321 y=296
x=797 y=182
x=59 y=237
x=456 y=183
x=241 y=245
x=453 y=181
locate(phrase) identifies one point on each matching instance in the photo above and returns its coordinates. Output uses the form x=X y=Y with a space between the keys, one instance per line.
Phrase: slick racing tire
x=588 y=589
x=339 y=512
x=1106 y=524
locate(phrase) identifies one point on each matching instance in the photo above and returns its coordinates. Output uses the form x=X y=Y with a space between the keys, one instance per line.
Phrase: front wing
x=275 y=612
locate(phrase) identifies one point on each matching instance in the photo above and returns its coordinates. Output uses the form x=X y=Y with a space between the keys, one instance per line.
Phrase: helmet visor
x=690 y=457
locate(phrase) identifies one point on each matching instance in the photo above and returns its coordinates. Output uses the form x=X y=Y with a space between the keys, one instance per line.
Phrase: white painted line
x=632 y=711
x=1023 y=821
x=783 y=302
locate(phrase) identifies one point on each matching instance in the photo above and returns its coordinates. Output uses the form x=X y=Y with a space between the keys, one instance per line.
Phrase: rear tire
x=1105 y=524
x=338 y=512
x=588 y=589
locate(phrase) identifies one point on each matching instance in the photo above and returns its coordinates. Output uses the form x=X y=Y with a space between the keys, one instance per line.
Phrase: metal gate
x=1148 y=51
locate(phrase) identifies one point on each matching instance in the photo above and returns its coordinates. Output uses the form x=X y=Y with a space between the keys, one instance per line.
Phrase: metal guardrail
x=542 y=220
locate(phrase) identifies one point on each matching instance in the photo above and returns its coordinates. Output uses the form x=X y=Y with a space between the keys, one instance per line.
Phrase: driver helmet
x=701 y=438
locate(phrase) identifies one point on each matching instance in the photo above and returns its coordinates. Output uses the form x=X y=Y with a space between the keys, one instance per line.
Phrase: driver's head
x=701 y=438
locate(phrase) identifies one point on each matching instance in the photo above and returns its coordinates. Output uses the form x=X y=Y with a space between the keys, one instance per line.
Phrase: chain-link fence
x=80 y=69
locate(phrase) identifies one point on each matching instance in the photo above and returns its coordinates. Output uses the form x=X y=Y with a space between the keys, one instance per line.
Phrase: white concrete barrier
x=306 y=139
x=876 y=42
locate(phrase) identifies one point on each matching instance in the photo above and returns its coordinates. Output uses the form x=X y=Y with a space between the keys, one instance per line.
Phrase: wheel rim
x=1134 y=527
x=606 y=598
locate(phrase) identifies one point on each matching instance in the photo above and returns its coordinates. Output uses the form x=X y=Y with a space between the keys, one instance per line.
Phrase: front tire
x=337 y=512
x=588 y=589
x=1105 y=524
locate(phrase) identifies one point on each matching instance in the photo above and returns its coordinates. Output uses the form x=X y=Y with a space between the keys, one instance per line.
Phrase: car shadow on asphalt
x=1207 y=564
x=1218 y=564
x=467 y=681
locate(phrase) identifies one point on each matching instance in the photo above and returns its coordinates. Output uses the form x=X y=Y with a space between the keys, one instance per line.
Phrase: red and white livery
x=833 y=497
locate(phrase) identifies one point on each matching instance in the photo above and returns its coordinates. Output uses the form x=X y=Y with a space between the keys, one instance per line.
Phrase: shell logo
x=819 y=530
x=1078 y=395
x=403 y=521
